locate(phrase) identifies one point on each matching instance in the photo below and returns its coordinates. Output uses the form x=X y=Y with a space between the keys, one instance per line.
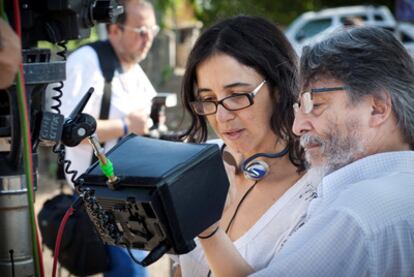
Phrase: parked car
x=313 y=26
x=405 y=32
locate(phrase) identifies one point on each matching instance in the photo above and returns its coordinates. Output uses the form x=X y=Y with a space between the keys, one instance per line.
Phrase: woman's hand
x=222 y=256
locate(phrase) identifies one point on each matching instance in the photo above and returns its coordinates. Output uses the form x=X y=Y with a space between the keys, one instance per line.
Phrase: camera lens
x=105 y=11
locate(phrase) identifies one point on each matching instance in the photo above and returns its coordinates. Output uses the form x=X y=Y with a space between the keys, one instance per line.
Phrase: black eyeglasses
x=233 y=102
x=305 y=103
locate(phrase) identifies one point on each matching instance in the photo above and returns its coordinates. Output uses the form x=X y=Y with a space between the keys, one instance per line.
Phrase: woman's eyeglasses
x=233 y=102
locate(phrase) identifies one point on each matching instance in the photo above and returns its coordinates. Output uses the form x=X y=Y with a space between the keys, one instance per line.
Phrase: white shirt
x=361 y=224
x=131 y=90
x=265 y=238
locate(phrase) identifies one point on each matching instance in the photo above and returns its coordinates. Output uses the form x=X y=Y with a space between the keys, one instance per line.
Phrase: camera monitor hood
x=168 y=192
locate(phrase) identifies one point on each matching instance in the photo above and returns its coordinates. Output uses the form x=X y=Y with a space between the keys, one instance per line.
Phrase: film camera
x=54 y=21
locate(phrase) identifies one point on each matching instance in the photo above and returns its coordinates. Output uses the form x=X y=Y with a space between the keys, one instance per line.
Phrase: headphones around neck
x=256 y=170
x=253 y=169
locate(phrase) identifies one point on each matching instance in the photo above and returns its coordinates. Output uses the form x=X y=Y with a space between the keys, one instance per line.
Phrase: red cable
x=17 y=18
x=42 y=270
x=17 y=21
x=68 y=213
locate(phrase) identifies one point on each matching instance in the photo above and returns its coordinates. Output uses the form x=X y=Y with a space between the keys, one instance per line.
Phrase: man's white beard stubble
x=335 y=151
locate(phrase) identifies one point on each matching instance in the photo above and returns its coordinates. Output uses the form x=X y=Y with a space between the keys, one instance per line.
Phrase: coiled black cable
x=58 y=148
x=58 y=88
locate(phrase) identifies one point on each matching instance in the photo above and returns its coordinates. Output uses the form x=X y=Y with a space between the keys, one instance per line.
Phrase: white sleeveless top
x=266 y=237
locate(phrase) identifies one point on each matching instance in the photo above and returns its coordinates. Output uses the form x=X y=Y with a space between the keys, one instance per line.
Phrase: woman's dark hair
x=259 y=44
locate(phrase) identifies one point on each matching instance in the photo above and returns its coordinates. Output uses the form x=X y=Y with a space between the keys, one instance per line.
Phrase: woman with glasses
x=241 y=80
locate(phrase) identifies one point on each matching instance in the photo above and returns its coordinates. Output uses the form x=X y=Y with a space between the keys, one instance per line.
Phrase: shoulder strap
x=106 y=101
x=108 y=62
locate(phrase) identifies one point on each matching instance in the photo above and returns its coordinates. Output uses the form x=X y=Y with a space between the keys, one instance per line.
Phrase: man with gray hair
x=355 y=117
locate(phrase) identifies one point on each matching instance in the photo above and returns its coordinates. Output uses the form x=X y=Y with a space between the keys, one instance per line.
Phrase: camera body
x=61 y=20
x=54 y=21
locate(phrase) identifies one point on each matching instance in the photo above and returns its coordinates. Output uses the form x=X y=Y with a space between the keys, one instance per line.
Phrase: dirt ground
x=47 y=188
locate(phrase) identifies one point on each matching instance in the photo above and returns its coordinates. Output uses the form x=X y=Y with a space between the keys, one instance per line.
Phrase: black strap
x=106 y=101
x=108 y=63
x=108 y=60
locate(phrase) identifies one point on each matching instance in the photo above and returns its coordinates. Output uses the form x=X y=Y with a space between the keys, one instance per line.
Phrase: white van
x=312 y=26
x=405 y=32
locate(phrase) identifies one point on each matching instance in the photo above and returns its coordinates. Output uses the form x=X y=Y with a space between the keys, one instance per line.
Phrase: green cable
x=28 y=169
x=26 y=158
x=107 y=168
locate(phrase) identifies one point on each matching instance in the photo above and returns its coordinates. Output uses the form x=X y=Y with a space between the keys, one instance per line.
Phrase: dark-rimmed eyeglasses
x=305 y=103
x=143 y=30
x=234 y=102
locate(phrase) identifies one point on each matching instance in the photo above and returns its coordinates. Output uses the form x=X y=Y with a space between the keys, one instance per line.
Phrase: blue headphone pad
x=256 y=170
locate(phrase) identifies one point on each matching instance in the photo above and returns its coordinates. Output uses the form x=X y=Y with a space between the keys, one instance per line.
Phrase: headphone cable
x=239 y=205
x=236 y=211
x=266 y=155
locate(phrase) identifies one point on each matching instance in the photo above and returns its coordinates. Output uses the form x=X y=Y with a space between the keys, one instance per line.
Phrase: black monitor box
x=168 y=192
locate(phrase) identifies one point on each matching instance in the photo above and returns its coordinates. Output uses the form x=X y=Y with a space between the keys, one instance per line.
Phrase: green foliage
x=167 y=73
x=162 y=7
x=282 y=12
x=170 y=11
x=72 y=44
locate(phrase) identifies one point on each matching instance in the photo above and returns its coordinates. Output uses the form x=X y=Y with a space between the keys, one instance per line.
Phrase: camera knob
x=74 y=131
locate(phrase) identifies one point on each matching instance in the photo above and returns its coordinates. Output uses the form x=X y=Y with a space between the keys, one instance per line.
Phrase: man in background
x=130 y=103
x=130 y=95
